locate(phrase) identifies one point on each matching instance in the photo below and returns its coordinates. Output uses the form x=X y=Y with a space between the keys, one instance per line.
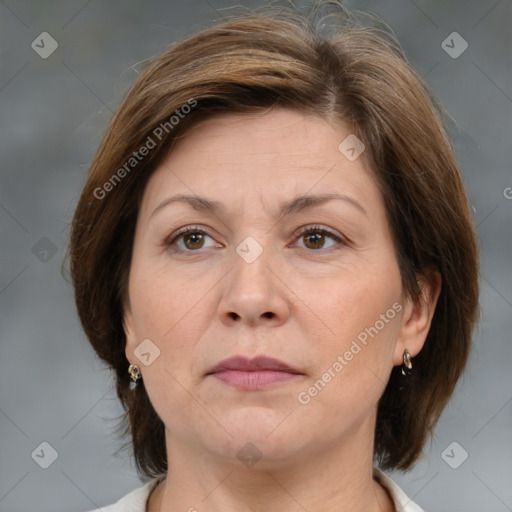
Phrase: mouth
x=253 y=374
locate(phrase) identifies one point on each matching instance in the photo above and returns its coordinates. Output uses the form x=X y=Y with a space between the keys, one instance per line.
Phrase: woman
x=275 y=253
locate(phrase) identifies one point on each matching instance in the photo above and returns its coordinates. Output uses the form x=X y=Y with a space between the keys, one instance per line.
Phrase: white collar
x=401 y=501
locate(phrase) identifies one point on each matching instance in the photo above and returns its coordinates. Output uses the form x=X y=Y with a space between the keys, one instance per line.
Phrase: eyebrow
x=296 y=205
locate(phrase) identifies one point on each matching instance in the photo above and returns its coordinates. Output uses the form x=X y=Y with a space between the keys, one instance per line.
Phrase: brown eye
x=194 y=240
x=188 y=239
x=315 y=238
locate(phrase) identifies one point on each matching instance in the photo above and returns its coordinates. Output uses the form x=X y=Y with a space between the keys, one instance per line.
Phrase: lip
x=254 y=380
x=260 y=363
x=253 y=374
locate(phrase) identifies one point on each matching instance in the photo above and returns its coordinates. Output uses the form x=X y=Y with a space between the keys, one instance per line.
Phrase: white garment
x=135 y=501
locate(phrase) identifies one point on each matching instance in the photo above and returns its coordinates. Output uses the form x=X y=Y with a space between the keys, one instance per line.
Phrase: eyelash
x=171 y=240
x=323 y=231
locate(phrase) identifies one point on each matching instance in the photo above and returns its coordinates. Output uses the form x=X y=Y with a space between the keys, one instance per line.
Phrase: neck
x=335 y=479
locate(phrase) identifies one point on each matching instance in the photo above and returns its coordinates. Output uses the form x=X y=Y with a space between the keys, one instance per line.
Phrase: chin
x=257 y=432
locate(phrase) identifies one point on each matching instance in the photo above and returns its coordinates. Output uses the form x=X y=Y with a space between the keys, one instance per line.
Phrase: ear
x=417 y=317
x=129 y=331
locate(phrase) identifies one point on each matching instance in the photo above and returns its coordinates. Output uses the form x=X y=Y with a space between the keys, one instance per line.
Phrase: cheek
x=352 y=365
x=360 y=320
x=173 y=316
x=161 y=308
x=160 y=301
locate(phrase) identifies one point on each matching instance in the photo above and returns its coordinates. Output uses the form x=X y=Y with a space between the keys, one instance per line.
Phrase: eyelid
x=323 y=229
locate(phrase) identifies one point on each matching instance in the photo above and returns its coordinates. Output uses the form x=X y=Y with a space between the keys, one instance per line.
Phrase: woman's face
x=262 y=278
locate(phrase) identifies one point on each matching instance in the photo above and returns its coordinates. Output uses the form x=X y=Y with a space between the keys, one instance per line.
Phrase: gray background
x=52 y=115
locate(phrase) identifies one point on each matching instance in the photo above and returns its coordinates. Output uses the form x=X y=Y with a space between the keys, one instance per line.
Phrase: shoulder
x=134 y=501
x=401 y=501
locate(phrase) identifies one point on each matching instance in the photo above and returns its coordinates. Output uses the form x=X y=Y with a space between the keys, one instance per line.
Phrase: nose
x=254 y=294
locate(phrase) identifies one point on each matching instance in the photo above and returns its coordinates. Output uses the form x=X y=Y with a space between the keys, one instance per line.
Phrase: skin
x=301 y=301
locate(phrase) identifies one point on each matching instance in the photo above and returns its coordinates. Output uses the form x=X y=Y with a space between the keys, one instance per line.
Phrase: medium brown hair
x=342 y=70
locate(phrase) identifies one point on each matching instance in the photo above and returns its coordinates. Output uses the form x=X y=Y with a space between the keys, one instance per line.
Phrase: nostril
x=268 y=314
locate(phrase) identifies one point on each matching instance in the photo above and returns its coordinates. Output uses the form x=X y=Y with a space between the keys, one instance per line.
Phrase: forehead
x=280 y=152
x=279 y=133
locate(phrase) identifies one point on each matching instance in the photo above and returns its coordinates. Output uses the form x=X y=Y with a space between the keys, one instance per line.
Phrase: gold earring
x=134 y=372
x=407 y=366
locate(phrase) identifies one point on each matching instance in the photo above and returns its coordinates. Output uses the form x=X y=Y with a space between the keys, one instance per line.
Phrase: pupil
x=316 y=239
x=196 y=236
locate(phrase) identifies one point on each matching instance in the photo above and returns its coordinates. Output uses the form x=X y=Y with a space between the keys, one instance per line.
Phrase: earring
x=407 y=366
x=134 y=372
